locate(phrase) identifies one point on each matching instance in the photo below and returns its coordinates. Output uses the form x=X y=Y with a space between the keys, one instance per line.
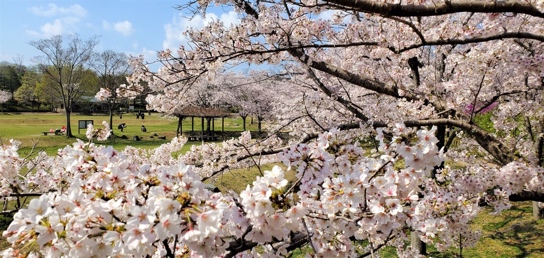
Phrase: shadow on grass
x=515 y=229
x=523 y=235
x=512 y=233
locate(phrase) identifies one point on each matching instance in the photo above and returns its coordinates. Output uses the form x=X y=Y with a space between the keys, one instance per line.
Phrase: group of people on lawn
x=124 y=125
x=57 y=131
x=121 y=126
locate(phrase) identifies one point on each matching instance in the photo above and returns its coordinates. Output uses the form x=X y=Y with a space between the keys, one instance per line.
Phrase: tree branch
x=527 y=196
x=491 y=144
x=297 y=240
x=348 y=76
x=464 y=41
x=436 y=9
x=345 y=103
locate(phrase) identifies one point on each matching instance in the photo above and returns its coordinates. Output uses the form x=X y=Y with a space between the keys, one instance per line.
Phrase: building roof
x=194 y=111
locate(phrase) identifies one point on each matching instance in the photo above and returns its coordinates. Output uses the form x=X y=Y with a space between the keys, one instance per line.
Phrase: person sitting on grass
x=144 y=129
x=122 y=126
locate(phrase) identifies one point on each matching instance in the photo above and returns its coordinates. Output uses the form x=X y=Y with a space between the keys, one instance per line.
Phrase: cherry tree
x=253 y=94
x=5 y=96
x=262 y=97
x=410 y=77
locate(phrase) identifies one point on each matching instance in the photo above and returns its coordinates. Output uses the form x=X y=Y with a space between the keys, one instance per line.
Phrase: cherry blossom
x=4 y=96
x=379 y=99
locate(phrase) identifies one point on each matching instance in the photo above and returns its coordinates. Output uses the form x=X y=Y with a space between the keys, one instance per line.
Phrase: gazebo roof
x=195 y=111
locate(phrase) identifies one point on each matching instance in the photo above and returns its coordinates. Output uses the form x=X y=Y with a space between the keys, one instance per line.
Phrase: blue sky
x=135 y=27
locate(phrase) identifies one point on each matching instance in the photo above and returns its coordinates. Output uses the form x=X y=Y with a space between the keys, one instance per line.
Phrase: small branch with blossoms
x=492 y=103
x=464 y=41
x=100 y=134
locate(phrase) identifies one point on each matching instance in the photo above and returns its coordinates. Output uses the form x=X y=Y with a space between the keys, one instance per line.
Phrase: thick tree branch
x=235 y=247
x=244 y=5
x=347 y=104
x=437 y=9
x=353 y=78
x=464 y=41
x=527 y=196
x=491 y=144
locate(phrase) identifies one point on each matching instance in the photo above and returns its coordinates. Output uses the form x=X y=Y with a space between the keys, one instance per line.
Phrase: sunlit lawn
x=28 y=127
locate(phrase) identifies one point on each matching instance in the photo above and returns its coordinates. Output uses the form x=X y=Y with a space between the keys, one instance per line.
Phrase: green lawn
x=28 y=128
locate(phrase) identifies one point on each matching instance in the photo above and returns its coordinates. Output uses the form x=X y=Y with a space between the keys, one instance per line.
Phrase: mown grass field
x=28 y=127
x=511 y=234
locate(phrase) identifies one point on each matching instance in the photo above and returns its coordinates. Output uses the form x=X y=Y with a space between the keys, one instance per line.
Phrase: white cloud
x=124 y=27
x=54 y=10
x=52 y=29
x=66 y=21
x=230 y=18
x=49 y=29
x=174 y=30
x=326 y=15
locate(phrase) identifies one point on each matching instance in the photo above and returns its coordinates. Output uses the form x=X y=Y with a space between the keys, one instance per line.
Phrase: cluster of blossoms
x=103 y=94
x=129 y=91
x=100 y=202
x=347 y=194
x=114 y=205
x=100 y=134
x=513 y=178
x=4 y=96
x=269 y=210
x=10 y=166
x=383 y=68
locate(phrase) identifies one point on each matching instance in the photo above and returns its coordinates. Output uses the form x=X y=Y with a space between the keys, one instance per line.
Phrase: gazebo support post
x=202 y=135
x=180 y=126
x=213 y=128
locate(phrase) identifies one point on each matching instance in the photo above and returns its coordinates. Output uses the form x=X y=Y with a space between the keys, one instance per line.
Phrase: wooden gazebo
x=208 y=113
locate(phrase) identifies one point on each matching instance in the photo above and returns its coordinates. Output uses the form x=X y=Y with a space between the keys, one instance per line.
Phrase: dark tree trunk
x=111 y=119
x=244 y=122
x=68 y=127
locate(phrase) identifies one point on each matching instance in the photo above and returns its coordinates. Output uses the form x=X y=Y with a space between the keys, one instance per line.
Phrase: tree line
x=66 y=78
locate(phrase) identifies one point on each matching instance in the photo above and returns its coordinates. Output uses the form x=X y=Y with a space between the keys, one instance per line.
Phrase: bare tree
x=64 y=62
x=112 y=68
